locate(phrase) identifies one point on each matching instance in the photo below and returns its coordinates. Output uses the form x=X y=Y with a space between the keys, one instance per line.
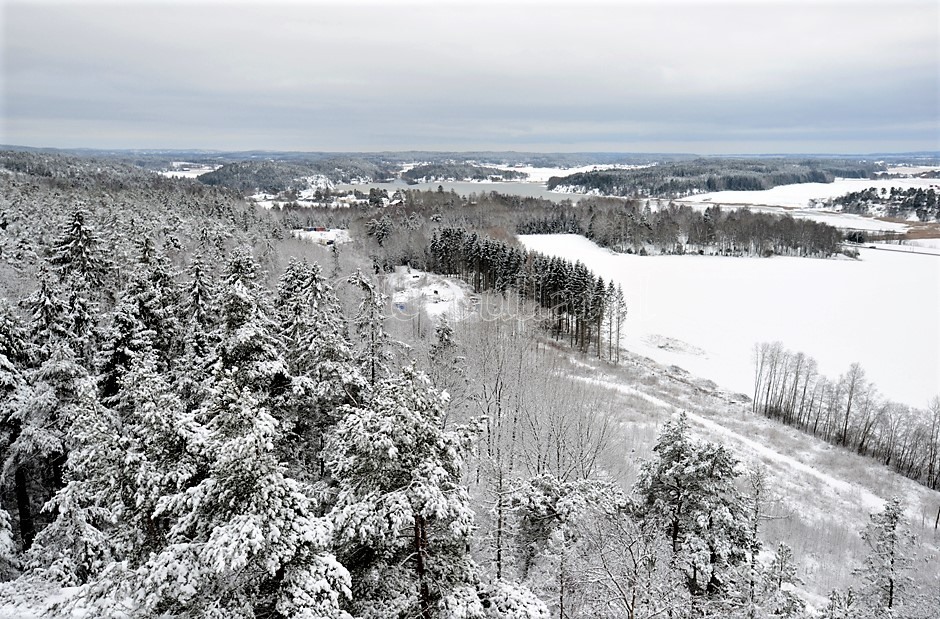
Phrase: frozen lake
x=705 y=313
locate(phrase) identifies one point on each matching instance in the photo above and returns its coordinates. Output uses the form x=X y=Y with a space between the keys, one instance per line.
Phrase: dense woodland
x=277 y=176
x=628 y=227
x=897 y=202
x=197 y=419
x=454 y=171
x=683 y=178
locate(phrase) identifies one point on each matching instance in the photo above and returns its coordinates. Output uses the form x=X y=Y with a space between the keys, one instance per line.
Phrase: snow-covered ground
x=324 y=237
x=920 y=246
x=910 y=170
x=414 y=291
x=706 y=313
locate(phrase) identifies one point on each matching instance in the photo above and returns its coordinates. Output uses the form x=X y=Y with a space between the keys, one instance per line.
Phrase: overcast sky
x=703 y=77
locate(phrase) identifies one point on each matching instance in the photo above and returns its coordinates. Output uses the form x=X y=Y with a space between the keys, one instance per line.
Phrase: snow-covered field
x=324 y=237
x=910 y=170
x=182 y=169
x=705 y=313
x=414 y=291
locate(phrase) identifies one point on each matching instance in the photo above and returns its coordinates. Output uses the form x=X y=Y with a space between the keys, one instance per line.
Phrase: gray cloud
x=702 y=77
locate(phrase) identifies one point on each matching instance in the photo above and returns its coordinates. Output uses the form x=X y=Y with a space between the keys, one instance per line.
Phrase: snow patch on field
x=182 y=169
x=414 y=291
x=879 y=311
x=324 y=237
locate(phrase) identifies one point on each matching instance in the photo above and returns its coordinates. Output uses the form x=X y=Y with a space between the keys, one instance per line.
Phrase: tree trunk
x=27 y=527
x=424 y=591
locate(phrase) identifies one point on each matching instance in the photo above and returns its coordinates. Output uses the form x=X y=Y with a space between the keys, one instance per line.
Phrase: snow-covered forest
x=203 y=416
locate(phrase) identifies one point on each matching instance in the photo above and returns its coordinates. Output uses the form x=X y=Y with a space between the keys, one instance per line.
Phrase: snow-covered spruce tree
x=43 y=409
x=124 y=339
x=688 y=489
x=75 y=252
x=242 y=537
x=77 y=545
x=247 y=349
x=319 y=356
x=9 y=556
x=197 y=313
x=884 y=581
x=403 y=521
x=212 y=522
x=81 y=268
x=157 y=298
x=14 y=359
x=447 y=366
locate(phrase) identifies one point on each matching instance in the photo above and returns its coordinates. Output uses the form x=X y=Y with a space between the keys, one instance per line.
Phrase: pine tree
x=402 y=518
x=780 y=578
x=689 y=490
x=369 y=323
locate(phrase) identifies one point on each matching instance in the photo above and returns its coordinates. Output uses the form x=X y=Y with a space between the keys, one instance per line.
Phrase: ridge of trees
x=682 y=178
x=277 y=176
x=582 y=308
x=452 y=170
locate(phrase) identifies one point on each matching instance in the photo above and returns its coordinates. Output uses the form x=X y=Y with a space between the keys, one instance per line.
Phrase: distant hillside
x=277 y=176
x=452 y=171
x=683 y=178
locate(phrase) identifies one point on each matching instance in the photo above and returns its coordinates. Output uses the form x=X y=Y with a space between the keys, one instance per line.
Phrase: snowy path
x=840 y=487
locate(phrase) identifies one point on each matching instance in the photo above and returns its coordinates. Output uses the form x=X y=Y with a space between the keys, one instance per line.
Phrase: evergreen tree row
x=681 y=178
x=581 y=307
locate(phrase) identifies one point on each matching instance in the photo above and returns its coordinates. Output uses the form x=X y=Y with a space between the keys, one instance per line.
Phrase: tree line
x=452 y=170
x=848 y=411
x=894 y=202
x=581 y=307
x=629 y=227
